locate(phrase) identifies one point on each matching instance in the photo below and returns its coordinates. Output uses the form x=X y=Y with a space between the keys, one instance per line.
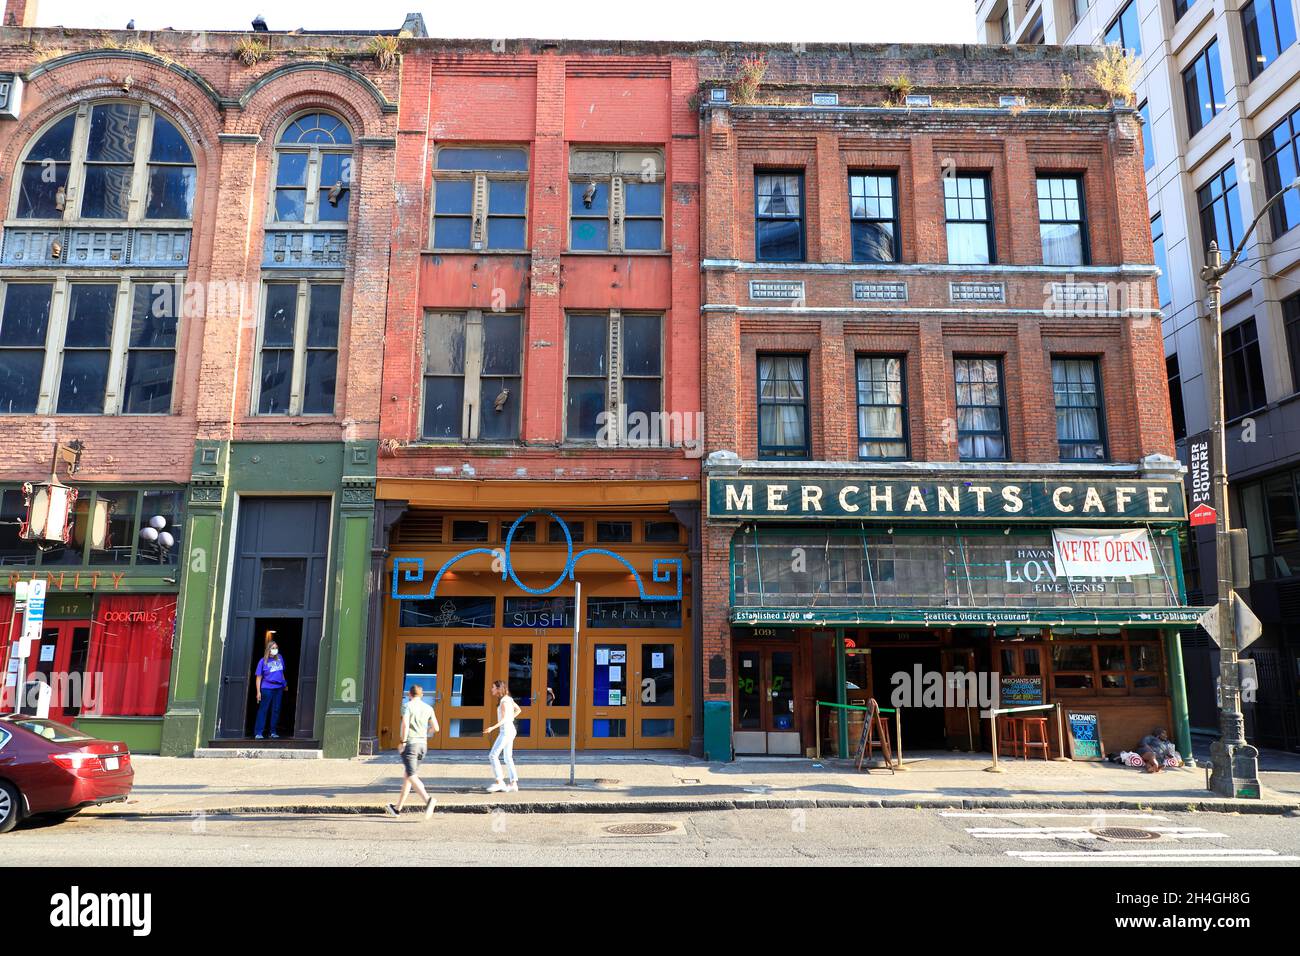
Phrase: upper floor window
x=969 y=215
x=480 y=198
x=1243 y=371
x=1291 y=319
x=873 y=214
x=1280 y=149
x=1062 y=227
x=1180 y=8
x=1203 y=88
x=313 y=170
x=110 y=161
x=882 y=407
x=472 y=371
x=1268 y=27
x=614 y=375
x=298 y=353
x=1175 y=376
x=981 y=411
x=1124 y=30
x=1081 y=9
x=778 y=217
x=616 y=201
x=87 y=348
x=1220 y=211
x=1080 y=427
x=783 y=406
x=1162 y=263
x=1004 y=24
x=1148 y=148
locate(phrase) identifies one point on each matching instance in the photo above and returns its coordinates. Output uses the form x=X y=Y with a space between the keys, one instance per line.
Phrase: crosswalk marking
x=1078 y=833
x=1207 y=855
x=1043 y=814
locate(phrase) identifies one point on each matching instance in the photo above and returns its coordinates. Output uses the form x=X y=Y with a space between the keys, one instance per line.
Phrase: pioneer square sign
x=974 y=499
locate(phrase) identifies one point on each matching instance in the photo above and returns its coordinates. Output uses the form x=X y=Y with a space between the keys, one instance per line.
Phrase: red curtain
x=131 y=654
x=6 y=622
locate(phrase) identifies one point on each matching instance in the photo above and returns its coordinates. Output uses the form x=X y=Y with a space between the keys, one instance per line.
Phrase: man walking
x=418 y=723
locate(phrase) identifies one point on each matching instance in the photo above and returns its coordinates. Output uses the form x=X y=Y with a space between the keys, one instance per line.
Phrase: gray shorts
x=412 y=754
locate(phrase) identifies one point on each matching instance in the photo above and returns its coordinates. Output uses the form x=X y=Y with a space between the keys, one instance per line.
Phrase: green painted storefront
x=223 y=474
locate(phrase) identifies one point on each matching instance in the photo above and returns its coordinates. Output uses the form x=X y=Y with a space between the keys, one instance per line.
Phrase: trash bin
x=717 y=730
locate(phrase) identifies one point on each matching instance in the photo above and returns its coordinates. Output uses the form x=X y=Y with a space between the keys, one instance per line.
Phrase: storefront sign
x=1091 y=552
x=972 y=499
x=542 y=613
x=630 y=612
x=1024 y=691
x=965 y=617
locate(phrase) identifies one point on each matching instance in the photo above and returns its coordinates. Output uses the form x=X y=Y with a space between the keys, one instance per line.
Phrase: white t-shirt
x=507 y=727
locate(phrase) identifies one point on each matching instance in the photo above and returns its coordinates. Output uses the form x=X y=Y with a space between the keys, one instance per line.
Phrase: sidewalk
x=606 y=783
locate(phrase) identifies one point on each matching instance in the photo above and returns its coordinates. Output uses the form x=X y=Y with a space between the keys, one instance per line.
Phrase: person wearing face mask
x=271 y=684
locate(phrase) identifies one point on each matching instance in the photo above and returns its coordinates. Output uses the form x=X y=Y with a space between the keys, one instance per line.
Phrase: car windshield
x=49 y=729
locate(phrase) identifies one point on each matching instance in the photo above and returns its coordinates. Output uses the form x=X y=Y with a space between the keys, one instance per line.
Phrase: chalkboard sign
x=1085 y=736
x=1024 y=691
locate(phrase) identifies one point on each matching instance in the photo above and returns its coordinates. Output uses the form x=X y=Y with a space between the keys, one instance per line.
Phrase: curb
x=699 y=806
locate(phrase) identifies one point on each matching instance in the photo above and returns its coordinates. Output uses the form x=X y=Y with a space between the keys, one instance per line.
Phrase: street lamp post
x=1233 y=762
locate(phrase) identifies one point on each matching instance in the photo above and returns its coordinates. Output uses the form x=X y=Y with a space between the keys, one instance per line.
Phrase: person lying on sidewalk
x=1157 y=751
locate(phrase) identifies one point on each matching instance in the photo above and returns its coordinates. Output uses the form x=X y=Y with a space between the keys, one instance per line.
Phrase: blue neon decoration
x=662 y=570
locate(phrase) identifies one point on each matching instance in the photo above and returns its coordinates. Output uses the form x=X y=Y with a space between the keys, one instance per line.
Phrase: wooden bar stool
x=1009 y=736
x=1034 y=736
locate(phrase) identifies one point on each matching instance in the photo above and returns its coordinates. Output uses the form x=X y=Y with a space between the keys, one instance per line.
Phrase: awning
x=965 y=617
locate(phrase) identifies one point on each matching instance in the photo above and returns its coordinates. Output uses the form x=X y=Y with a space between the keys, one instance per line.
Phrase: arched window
x=111 y=161
x=313 y=170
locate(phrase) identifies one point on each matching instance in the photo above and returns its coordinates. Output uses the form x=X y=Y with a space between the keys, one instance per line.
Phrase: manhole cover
x=606 y=782
x=640 y=829
x=1124 y=833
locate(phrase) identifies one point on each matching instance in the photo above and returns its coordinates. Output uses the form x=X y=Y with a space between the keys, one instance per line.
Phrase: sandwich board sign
x=1084 y=732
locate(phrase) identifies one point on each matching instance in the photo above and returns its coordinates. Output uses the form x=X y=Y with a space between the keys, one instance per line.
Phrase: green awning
x=965 y=617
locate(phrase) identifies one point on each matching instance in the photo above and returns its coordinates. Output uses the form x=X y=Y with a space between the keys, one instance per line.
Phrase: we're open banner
x=1089 y=553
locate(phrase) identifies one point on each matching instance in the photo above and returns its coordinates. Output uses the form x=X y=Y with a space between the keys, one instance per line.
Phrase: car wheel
x=10 y=806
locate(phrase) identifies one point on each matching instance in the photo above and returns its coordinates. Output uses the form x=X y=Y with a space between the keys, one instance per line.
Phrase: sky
x=770 y=21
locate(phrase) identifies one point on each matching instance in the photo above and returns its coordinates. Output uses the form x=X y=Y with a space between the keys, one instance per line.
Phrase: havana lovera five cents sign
x=861 y=499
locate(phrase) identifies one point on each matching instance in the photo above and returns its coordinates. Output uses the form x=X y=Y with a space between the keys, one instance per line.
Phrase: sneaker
x=275 y=736
x=428 y=810
x=390 y=809
x=513 y=787
x=497 y=787
x=259 y=737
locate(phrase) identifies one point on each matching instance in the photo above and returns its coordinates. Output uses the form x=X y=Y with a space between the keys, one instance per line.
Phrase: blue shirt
x=271 y=670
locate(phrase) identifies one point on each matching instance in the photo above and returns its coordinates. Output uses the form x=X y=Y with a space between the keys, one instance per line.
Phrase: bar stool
x=1009 y=736
x=1034 y=736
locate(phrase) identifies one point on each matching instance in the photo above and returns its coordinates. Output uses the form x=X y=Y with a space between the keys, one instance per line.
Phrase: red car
x=50 y=768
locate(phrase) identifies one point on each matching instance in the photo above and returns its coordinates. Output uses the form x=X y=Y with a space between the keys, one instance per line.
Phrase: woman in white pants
x=507 y=711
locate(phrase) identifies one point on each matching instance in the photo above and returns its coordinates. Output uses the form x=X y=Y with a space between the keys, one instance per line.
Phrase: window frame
x=896 y=246
x=1235 y=345
x=1177 y=411
x=1005 y=429
x=312 y=178
x=1279 y=222
x=615 y=361
x=1291 y=333
x=800 y=174
x=905 y=437
x=119 y=346
x=1124 y=38
x=1164 y=290
x=1228 y=196
x=481 y=190
x=988 y=221
x=771 y=452
x=1196 y=121
x=1085 y=248
x=1099 y=409
x=74 y=185
x=302 y=315
x=617 y=216
x=1253 y=68
x=471 y=374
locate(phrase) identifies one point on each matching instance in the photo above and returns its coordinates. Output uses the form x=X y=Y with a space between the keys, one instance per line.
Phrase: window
x=298 y=353
x=1180 y=8
x=480 y=198
x=1162 y=262
x=1124 y=30
x=1175 y=376
x=1291 y=319
x=1268 y=28
x=1062 y=228
x=1148 y=150
x=1281 y=155
x=783 y=406
x=1243 y=372
x=1110 y=664
x=882 y=407
x=981 y=414
x=313 y=171
x=1004 y=23
x=616 y=201
x=1220 y=212
x=969 y=219
x=1080 y=426
x=1272 y=512
x=1203 y=88
x=109 y=161
x=599 y=383
x=126 y=512
x=87 y=347
x=778 y=217
x=473 y=364
x=873 y=217
x=1081 y=9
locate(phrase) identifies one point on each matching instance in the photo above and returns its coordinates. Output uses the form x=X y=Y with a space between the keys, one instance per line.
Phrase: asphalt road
x=872 y=837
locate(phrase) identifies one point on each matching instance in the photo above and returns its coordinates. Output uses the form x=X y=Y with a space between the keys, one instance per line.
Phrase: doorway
x=767 y=718
x=923 y=727
x=287 y=634
x=59 y=661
